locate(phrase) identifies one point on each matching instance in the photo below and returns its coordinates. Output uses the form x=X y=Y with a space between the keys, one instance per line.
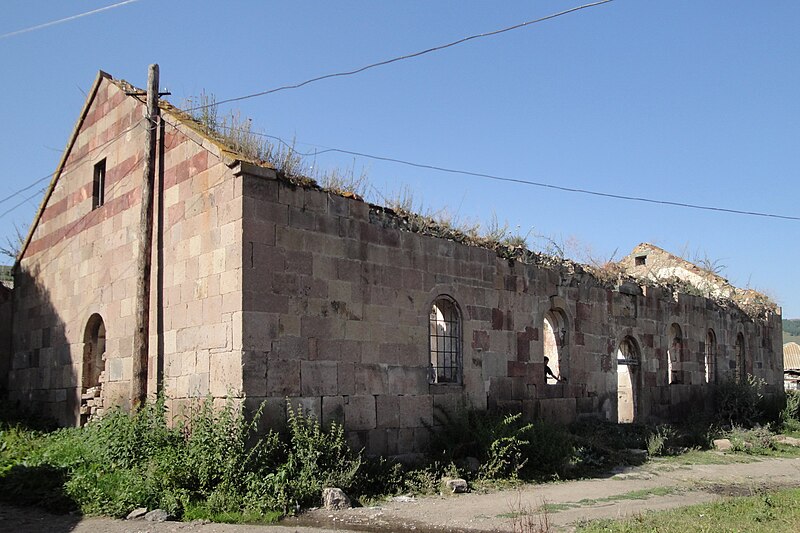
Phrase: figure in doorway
x=548 y=371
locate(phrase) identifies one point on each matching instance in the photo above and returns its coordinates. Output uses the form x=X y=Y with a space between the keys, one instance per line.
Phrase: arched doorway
x=674 y=358
x=94 y=350
x=554 y=337
x=741 y=372
x=627 y=373
x=711 y=356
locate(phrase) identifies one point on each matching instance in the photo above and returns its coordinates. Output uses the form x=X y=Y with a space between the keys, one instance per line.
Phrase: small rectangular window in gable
x=99 y=184
x=641 y=260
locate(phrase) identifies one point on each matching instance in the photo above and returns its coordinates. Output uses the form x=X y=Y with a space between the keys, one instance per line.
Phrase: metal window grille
x=445 y=343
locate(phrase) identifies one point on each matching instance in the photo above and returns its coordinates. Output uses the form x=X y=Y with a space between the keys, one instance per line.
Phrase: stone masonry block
x=226 y=374
x=346 y=378
x=407 y=380
x=288 y=347
x=415 y=411
x=558 y=410
x=388 y=411
x=370 y=379
x=273 y=411
x=359 y=412
x=198 y=385
x=494 y=365
x=339 y=350
x=316 y=201
x=114 y=369
x=309 y=406
x=450 y=404
x=338 y=205
x=378 y=442
x=283 y=377
x=332 y=410
x=259 y=329
x=322 y=327
x=254 y=373
x=318 y=378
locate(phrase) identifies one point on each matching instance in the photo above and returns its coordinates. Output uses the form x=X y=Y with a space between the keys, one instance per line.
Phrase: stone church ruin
x=265 y=289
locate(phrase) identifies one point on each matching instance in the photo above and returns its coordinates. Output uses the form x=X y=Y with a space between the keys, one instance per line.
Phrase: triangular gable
x=175 y=118
x=59 y=169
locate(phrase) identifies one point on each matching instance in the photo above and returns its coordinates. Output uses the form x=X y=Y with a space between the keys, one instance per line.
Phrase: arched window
x=711 y=356
x=674 y=354
x=445 y=341
x=94 y=351
x=627 y=367
x=94 y=348
x=554 y=335
x=741 y=372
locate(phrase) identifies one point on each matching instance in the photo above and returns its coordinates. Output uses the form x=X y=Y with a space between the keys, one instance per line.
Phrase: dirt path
x=652 y=486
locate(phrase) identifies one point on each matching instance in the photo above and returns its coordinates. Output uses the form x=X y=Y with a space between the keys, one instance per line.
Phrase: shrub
x=505 y=456
x=505 y=446
x=738 y=402
x=549 y=452
x=658 y=441
x=756 y=441
x=307 y=460
x=790 y=414
x=212 y=465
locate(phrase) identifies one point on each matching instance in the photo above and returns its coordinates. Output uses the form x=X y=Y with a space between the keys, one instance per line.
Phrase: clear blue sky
x=676 y=100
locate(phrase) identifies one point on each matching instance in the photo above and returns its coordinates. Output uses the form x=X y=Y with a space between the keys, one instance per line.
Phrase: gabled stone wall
x=80 y=264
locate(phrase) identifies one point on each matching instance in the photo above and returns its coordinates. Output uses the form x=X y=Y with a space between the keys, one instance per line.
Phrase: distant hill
x=791 y=330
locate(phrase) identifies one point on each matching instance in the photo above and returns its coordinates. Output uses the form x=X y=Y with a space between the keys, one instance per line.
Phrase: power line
x=31 y=197
x=529 y=182
x=67 y=19
x=72 y=163
x=32 y=185
x=403 y=57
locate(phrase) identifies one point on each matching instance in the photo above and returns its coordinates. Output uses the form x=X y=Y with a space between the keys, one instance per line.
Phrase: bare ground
x=649 y=487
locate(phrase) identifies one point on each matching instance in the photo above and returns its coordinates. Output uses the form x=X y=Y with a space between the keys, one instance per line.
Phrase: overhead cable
x=32 y=185
x=403 y=57
x=73 y=162
x=530 y=182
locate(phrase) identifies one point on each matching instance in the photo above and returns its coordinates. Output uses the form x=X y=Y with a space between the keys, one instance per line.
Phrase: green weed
x=770 y=512
x=211 y=464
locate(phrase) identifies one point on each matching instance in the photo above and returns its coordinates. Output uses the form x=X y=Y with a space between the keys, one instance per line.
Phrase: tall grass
x=212 y=464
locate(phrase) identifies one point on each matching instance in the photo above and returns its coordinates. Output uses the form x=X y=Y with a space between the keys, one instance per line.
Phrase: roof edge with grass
x=236 y=139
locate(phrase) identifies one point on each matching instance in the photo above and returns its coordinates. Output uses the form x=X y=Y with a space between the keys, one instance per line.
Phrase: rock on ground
x=334 y=499
x=456 y=485
x=722 y=444
x=137 y=514
x=157 y=515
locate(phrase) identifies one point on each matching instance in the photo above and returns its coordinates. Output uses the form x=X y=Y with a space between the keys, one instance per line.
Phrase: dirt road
x=651 y=486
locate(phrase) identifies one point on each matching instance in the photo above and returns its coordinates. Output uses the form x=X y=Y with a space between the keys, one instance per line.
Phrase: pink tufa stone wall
x=265 y=291
x=6 y=296
x=81 y=261
x=335 y=317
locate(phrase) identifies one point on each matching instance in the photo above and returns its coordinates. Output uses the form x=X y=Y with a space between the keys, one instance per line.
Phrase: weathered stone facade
x=265 y=290
x=5 y=337
x=79 y=265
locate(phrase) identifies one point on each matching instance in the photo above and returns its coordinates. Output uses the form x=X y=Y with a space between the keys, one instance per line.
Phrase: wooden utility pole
x=141 y=344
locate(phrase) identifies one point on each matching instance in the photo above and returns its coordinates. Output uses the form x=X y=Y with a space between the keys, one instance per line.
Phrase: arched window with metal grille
x=445 y=341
